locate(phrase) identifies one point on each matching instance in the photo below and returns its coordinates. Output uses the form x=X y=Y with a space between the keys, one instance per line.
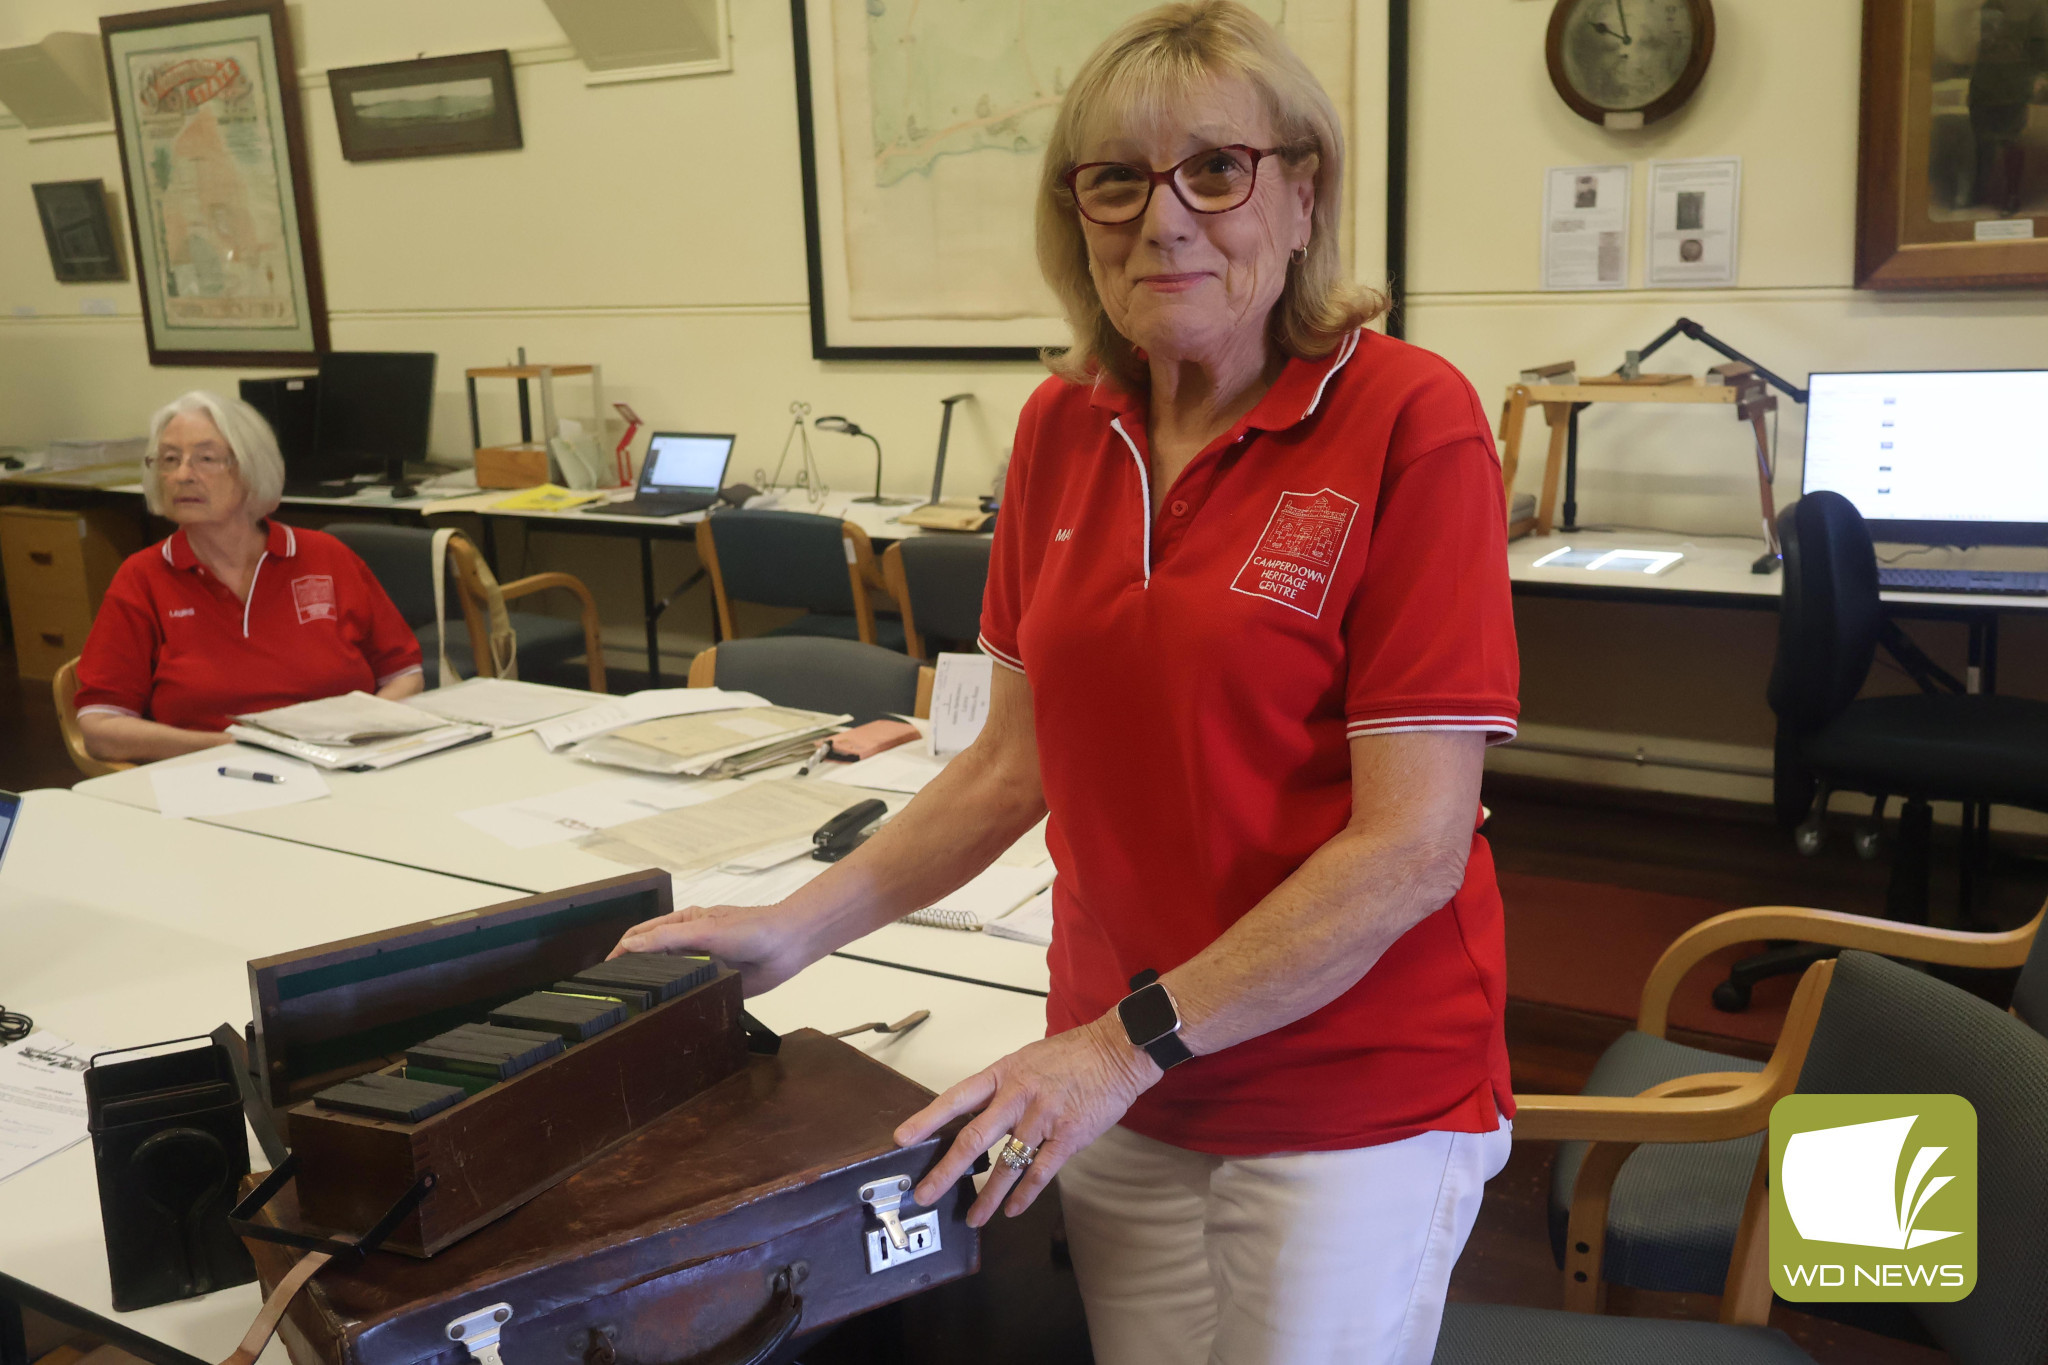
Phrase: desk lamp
x=945 y=430
x=1751 y=407
x=841 y=424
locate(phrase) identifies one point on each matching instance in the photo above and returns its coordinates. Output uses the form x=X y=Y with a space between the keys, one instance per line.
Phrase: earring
x=1298 y=255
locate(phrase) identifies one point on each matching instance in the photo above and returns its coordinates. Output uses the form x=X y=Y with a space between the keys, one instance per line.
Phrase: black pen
x=249 y=775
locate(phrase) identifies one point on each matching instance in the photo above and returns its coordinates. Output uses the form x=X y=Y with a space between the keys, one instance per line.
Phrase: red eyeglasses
x=1215 y=181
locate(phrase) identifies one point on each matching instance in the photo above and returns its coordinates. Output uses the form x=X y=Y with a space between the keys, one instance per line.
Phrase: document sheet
x=1030 y=922
x=652 y=704
x=557 y=817
x=504 y=704
x=960 y=701
x=1585 y=227
x=751 y=815
x=42 y=1099
x=905 y=768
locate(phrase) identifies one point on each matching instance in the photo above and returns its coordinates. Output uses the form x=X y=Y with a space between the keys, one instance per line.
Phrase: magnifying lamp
x=849 y=428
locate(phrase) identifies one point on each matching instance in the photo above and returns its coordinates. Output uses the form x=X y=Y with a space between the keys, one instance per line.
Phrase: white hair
x=250 y=442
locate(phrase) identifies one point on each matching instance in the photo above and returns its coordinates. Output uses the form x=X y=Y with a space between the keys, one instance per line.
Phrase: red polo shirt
x=1333 y=566
x=172 y=643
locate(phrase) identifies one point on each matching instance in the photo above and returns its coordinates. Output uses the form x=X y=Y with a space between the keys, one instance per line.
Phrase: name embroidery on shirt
x=175 y=612
x=1297 y=554
x=313 y=595
x=1064 y=533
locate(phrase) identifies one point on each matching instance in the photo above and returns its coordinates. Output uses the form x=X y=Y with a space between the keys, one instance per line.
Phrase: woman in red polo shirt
x=1250 y=595
x=233 y=612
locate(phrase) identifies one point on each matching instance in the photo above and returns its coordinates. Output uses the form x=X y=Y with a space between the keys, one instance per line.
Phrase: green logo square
x=1873 y=1198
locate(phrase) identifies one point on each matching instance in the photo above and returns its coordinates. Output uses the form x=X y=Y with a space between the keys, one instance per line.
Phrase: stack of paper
x=719 y=743
x=1028 y=923
x=504 y=704
x=988 y=898
x=652 y=704
x=42 y=1100
x=357 y=732
x=749 y=816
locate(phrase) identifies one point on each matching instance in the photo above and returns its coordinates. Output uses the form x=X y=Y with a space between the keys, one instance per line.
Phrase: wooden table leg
x=1559 y=416
x=1513 y=417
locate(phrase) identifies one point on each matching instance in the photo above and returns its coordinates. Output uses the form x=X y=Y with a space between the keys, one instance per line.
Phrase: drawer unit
x=57 y=565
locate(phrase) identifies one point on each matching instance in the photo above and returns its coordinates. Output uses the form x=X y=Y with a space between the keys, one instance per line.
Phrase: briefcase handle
x=770 y=1330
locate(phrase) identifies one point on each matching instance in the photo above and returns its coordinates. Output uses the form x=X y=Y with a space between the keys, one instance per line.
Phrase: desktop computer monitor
x=375 y=408
x=1941 y=457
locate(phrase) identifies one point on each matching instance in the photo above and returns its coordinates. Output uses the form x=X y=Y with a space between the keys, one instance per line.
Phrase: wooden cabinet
x=57 y=566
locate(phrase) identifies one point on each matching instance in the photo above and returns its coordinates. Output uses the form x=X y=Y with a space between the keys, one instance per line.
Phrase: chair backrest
x=1887 y=1029
x=402 y=558
x=2030 y=992
x=943 y=580
x=1829 y=618
x=782 y=559
x=64 y=691
x=818 y=673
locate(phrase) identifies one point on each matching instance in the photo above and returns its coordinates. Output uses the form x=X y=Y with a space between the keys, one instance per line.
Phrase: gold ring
x=1015 y=1154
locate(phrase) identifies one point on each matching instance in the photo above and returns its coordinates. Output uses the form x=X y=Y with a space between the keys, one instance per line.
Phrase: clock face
x=1625 y=54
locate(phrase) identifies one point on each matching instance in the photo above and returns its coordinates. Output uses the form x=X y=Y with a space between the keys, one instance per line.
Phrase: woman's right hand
x=763 y=943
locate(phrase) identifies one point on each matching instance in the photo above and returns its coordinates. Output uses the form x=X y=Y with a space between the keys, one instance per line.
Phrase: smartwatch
x=1152 y=1021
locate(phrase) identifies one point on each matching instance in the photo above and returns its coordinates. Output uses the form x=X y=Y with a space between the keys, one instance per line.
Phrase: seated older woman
x=234 y=612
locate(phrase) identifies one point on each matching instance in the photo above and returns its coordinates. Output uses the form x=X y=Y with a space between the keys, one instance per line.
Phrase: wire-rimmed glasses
x=1214 y=181
x=201 y=461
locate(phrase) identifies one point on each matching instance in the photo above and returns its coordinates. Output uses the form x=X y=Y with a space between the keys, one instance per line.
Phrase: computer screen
x=10 y=807
x=375 y=408
x=1952 y=457
x=679 y=460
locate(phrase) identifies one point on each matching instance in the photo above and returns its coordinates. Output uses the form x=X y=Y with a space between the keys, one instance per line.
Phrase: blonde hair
x=1153 y=61
x=249 y=440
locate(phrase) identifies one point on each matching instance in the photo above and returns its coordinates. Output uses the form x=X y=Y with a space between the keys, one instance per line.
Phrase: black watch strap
x=1162 y=1045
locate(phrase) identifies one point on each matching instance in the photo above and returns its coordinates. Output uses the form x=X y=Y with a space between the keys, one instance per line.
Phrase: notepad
x=1028 y=923
x=994 y=893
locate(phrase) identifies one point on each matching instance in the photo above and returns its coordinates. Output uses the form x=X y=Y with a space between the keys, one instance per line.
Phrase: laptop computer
x=10 y=809
x=682 y=472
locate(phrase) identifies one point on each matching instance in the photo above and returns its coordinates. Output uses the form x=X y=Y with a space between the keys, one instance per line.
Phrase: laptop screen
x=685 y=462
x=10 y=807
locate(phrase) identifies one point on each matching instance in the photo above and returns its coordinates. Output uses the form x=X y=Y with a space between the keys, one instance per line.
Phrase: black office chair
x=938 y=582
x=1940 y=744
x=818 y=674
x=820 y=565
x=402 y=559
x=1882 y=1029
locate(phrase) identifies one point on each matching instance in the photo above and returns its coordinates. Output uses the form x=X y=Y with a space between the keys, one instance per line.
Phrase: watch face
x=1148 y=1014
x=1623 y=54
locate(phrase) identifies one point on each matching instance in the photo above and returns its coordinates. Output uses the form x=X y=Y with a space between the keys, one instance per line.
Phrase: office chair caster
x=1731 y=997
x=1869 y=844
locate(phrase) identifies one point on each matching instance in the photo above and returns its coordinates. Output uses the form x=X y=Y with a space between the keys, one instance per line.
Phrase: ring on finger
x=1015 y=1153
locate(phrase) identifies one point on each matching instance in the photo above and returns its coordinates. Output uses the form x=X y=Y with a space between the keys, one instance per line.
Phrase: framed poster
x=437 y=106
x=206 y=107
x=1952 y=174
x=78 y=231
x=921 y=129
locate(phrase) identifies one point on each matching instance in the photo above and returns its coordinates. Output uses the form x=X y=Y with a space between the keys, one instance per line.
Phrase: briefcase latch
x=899 y=1239
x=479 y=1332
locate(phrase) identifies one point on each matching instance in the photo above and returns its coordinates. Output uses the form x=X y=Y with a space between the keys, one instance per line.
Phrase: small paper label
x=2005 y=229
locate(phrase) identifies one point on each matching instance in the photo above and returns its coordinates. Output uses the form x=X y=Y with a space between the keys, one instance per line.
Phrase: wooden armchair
x=1682 y=1209
x=64 y=689
x=484 y=600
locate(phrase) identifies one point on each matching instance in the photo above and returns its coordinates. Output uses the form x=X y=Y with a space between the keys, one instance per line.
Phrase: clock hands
x=1599 y=27
x=1621 y=12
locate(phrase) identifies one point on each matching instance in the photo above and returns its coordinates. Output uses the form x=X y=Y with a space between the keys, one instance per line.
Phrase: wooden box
x=57 y=565
x=341 y=1009
x=511 y=466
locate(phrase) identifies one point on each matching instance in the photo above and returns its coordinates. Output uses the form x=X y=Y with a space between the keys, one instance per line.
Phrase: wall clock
x=1625 y=63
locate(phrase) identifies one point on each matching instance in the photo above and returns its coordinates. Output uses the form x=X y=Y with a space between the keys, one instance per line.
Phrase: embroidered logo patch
x=1297 y=555
x=313 y=595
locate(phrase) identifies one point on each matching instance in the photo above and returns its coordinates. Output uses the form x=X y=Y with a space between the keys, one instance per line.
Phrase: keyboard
x=670 y=506
x=2003 y=582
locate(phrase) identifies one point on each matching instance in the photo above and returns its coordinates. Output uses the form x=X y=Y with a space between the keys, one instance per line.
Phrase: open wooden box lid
x=326 y=1013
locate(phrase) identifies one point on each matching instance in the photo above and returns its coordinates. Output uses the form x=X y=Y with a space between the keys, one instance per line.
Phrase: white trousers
x=1304 y=1258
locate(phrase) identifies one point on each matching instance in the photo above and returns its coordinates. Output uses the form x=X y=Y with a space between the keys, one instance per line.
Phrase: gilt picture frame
x=1952 y=175
x=220 y=206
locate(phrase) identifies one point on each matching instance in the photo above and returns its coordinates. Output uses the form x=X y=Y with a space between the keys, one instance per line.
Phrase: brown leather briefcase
x=768 y=1205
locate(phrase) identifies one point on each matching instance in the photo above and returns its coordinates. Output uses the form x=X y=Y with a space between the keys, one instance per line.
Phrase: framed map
x=921 y=128
x=206 y=106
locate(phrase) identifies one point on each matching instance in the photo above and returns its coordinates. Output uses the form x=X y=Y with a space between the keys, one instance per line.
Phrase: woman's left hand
x=1057 y=1095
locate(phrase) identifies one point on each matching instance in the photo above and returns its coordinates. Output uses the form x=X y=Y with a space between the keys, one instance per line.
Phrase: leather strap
x=261 y=1330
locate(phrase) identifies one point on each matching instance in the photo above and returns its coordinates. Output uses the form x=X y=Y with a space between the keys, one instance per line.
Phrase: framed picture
x=206 y=107
x=437 y=106
x=922 y=128
x=79 y=234
x=1952 y=180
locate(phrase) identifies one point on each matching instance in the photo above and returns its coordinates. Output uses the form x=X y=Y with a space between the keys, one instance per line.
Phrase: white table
x=120 y=927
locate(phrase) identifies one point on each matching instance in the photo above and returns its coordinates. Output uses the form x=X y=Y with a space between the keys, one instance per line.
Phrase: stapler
x=846 y=831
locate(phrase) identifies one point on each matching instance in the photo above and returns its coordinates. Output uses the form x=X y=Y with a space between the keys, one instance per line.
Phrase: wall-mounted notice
x=1695 y=212
x=1585 y=227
